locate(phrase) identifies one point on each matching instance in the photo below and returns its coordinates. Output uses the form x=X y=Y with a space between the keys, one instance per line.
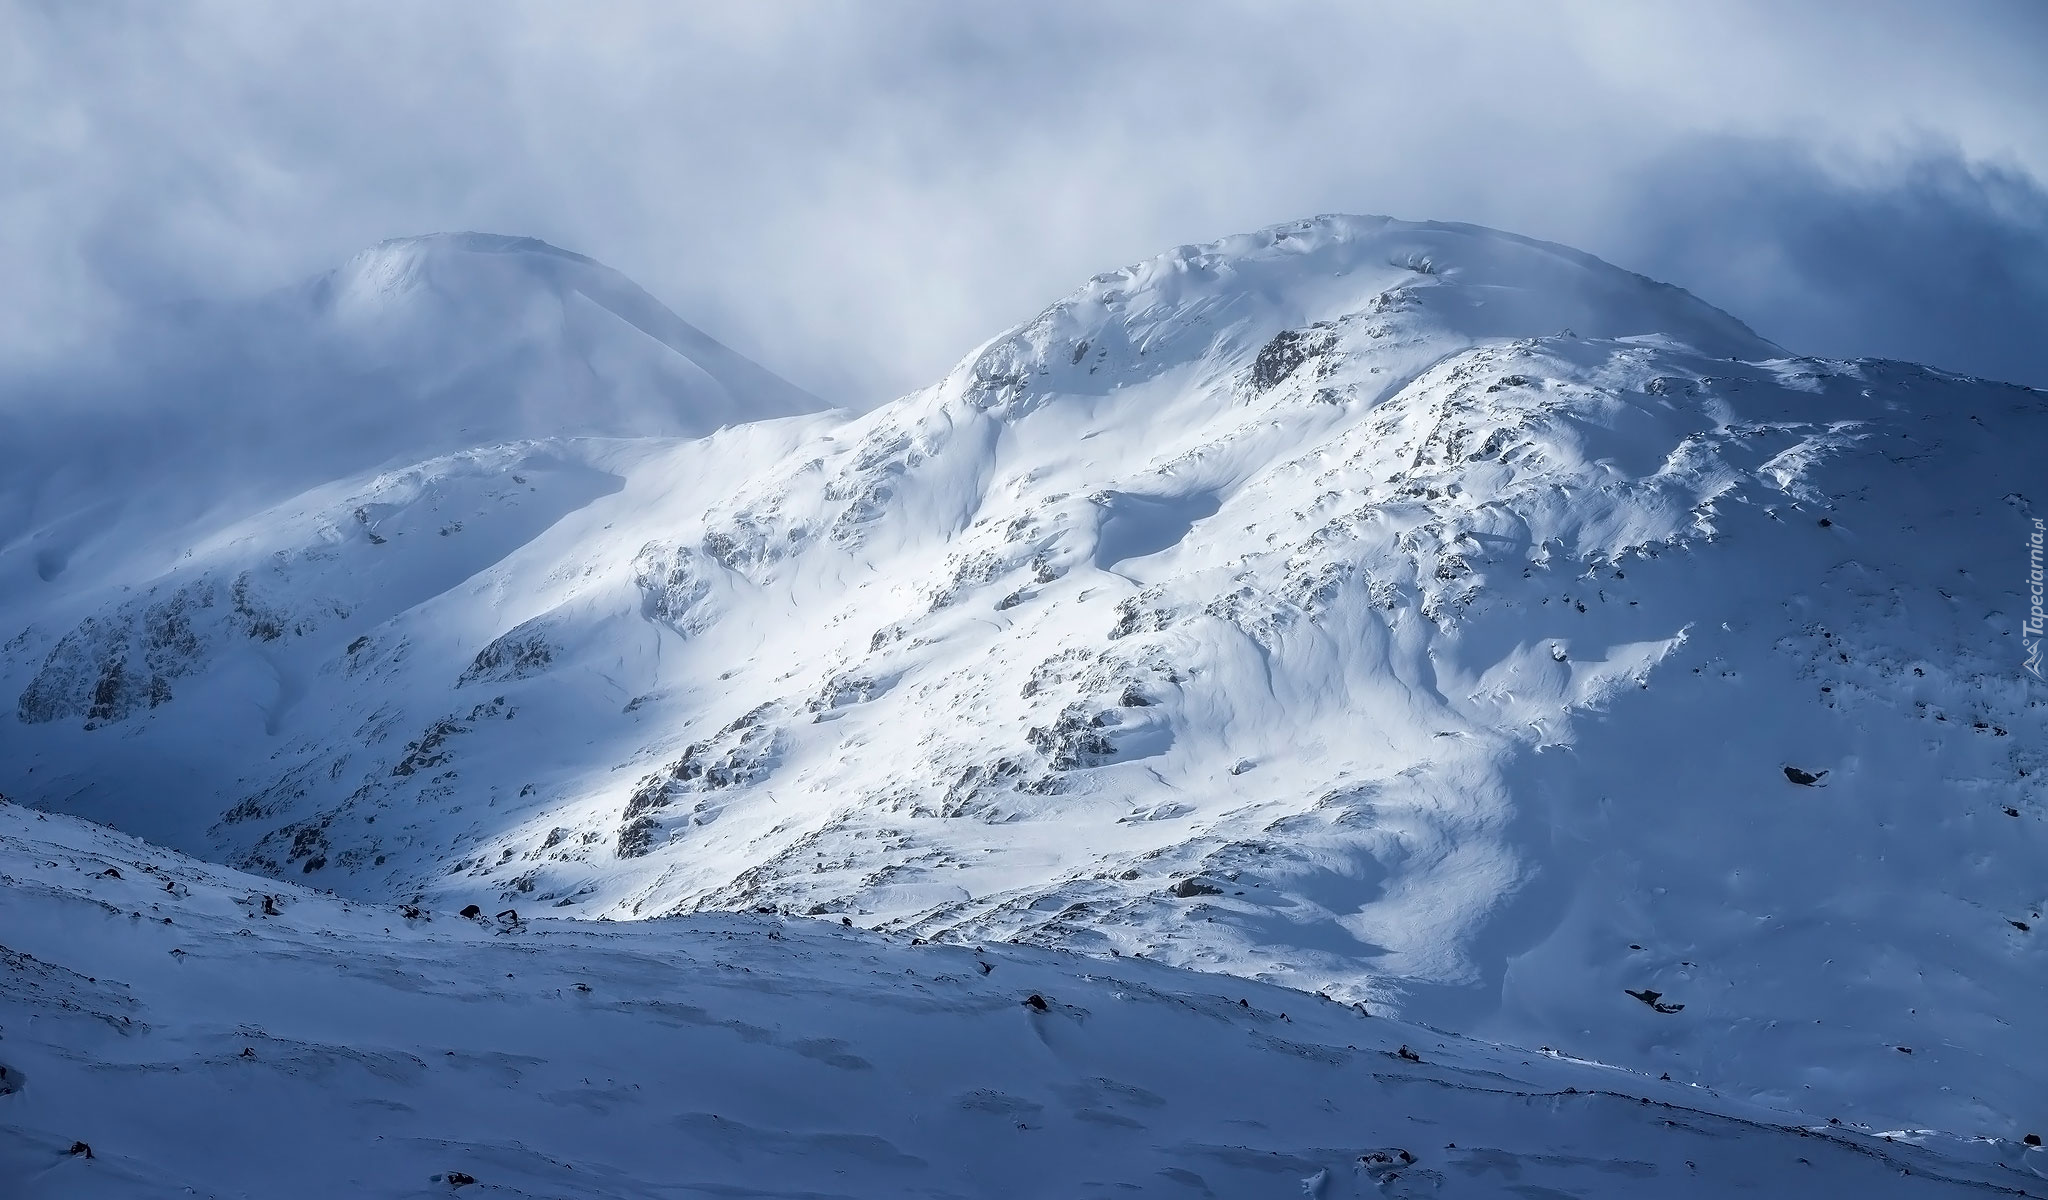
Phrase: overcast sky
x=858 y=193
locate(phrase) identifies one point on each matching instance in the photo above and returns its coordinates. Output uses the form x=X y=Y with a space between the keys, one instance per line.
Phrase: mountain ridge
x=1334 y=604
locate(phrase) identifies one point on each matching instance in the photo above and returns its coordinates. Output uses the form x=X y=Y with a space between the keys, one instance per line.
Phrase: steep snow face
x=175 y=1028
x=1413 y=613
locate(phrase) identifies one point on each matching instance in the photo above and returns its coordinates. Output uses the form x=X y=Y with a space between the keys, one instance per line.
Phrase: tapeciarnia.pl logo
x=2030 y=634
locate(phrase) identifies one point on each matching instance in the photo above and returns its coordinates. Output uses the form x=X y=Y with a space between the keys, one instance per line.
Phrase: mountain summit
x=415 y=348
x=1431 y=618
x=499 y=338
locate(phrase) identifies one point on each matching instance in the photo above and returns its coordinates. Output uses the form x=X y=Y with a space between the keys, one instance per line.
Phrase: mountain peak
x=400 y=265
x=415 y=348
x=1453 y=284
x=443 y=306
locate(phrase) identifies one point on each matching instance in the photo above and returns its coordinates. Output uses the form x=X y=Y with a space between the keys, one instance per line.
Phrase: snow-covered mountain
x=415 y=348
x=1411 y=613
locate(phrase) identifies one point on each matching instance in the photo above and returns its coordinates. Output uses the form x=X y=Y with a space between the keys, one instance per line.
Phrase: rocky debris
x=120 y=662
x=1285 y=354
x=1189 y=888
x=1655 y=1000
x=471 y=911
x=1803 y=778
x=842 y=689
x=430 y=749
x=1074 y=739
x=674 y=587
x=1139 y=614
x=969 y=792
x=1035 y=1002
x=1385 y=1165
x=80 y=1150
x=743 y=752
x=427 y=750
x=969 y=571
x=259 y=621
x=519 y=653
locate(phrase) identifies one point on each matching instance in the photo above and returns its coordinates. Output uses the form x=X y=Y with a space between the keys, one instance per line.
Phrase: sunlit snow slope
x=1413 y=613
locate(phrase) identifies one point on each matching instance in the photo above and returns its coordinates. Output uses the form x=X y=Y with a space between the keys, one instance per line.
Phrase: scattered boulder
x=1189 y=888
x=460 y=1179
x=1386 y=1166
x=80 y=1150
x=2032 y=1139
x=1036 y=1002
x=1803 y=778
x=1409 y=1055
x=471 y=910
x=1655 y=1000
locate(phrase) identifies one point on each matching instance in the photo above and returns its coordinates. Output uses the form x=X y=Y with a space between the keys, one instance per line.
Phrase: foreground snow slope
x=212 y=1034
x=1409 y=612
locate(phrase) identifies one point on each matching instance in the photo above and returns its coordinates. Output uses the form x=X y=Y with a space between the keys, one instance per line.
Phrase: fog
x=855 y=194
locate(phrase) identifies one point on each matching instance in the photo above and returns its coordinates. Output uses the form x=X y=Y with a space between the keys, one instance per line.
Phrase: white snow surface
x=207 y=1033
x=1410 y=613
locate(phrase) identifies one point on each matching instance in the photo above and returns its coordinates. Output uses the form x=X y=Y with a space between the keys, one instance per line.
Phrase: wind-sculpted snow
x=1413 y=614
x=175 y=1028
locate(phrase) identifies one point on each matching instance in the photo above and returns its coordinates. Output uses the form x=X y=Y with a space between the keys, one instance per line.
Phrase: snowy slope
x=208 y=1033
x=1412 y=613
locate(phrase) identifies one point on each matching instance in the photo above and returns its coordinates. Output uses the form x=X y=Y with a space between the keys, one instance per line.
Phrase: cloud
x=856 y=194
x=1928 y=258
